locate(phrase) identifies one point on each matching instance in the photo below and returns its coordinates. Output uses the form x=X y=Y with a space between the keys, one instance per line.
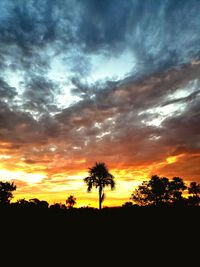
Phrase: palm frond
x=90 y=181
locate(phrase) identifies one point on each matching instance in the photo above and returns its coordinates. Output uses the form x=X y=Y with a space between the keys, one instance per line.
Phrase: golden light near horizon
x=30 y=178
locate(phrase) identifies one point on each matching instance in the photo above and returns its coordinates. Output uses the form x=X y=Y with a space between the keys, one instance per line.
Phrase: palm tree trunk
x=100 y=196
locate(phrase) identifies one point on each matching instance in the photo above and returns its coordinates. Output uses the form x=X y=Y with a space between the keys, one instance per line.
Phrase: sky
x=98 y=80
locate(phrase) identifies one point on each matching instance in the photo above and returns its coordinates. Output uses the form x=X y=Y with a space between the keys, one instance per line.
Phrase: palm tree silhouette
x=71 y=201
x=99 y=177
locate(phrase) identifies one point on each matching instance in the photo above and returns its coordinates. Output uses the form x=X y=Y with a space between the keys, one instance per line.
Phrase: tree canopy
x=6 y=189
x=160 y=191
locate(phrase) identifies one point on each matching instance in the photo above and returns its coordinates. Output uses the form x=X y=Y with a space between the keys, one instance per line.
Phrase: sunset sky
x=83 y=81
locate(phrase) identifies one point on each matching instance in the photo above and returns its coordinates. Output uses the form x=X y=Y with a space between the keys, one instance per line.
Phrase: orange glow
x=57 y=186
x=53 y=178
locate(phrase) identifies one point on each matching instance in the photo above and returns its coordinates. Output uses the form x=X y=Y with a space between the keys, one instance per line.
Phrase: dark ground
x=89 y=236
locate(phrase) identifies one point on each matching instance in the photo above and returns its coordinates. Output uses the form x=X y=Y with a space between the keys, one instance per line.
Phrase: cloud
x=114 y=118
x=184 y=129
x=7 y=92
x=39 y=94
x=186 y=167
x=155 y=33
x=117 y=118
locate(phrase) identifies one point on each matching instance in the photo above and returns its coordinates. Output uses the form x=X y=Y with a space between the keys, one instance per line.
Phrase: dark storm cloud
x=130 y=97
x=20 y=129
x=15 y=127
x=27 y=23
x=104 y=24
x=160 y=34
x=38 y=22
x=6 y=91
x=39 y=94
x=184 y=129
x=10 y=119
x=50 y=126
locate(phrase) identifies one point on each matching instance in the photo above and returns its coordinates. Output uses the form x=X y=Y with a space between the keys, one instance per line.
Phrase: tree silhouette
x=194 y=191
x=176 y=189
x=6 y=189
x=70 y=201
x=99 y=177
x=160 y=191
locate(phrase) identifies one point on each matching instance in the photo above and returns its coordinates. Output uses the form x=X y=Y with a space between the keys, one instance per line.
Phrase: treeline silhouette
x=155 y=192
x=159 y=212
x=157 y=201
x=162 y=192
